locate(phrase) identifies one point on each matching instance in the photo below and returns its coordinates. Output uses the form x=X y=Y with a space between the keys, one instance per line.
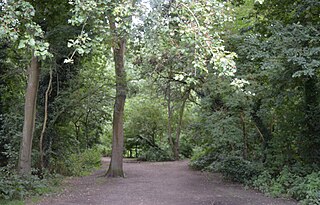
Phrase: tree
x=117 y=27
x=116 y=165
x=188 y=42
x=24 y=166
x=19 y=27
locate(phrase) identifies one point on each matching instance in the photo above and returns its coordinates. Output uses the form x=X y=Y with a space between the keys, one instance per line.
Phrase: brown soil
x=161 y=183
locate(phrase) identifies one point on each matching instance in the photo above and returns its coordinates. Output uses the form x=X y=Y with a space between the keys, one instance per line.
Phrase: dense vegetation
x=232 y=84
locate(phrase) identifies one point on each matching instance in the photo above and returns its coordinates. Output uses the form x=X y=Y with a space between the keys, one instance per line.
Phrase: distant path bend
x=160 y=183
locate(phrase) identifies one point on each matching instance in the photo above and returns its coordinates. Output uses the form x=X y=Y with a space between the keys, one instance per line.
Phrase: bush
x=239 y=170
x=79 y=164
x=105 y=151
x=185 y=148
x=202 y=159
x=13 y=186
x=305 y=189
x=155 y=155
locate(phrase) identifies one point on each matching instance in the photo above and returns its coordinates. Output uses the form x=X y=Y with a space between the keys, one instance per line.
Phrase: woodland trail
x=160 y=183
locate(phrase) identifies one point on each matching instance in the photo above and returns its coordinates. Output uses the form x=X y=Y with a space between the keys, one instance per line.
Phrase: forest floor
x=156 y=183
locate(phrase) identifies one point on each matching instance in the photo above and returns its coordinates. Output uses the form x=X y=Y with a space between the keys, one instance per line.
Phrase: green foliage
x=202 y=159
x=10 y=135
x=307 y=189
x=17 y=25
x=186 y=148
x=262 y=105
x=155 y=155
x=239 y=170
x=289 y=184
x=105 y=151
x=12 y=202
x=145 y=127
x=233 y=168
x=78 y=164
x=13 y=186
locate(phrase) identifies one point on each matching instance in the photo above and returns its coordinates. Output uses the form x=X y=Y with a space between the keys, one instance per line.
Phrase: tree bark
x=245 y=136
x=24 y=164
x=116 y=164
x=170 y=118
x=179 y=127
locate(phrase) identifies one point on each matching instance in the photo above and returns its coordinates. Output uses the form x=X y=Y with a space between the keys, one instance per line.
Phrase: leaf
x=32 y=42
x=68 y=60
x=22 y=44
x=70 y=44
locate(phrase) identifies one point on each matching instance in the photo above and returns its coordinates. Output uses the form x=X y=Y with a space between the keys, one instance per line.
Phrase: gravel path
x=161 y=183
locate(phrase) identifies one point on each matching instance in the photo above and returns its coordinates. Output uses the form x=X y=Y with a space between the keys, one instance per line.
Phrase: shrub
x=203 y=159
x=239 y=170
x=13 y=186
x=155 y=154
x=185 y=148
x=306 y=189
x=262 y=182
x=79 y=164
x=104 y=150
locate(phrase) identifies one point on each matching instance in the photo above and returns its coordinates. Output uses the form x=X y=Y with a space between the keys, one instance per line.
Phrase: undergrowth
x=155 y=155
x=78 y=164
x=16 y=187
x=290 y=182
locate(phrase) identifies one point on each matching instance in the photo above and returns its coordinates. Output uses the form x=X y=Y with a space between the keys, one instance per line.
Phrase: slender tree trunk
x=44 y=121
x=245 y=136
x=179 y=127
x=3 y=141
x=86 y=121
x=116 y=164
x=24 y=164
x=137 y=155
x=170 y=118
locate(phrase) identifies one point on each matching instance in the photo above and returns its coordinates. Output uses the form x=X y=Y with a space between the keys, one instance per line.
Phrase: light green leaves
x=18 y=27
x=259 y=1
x=22 y=44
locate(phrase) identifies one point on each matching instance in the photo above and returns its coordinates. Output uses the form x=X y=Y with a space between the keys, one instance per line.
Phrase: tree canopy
x=231 y=84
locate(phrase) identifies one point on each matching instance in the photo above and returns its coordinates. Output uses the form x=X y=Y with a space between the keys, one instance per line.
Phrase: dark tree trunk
x=4 y=141
x=24 y=164
x=263 y=129
x=245 y=136
x=170 y=140
x=179 y=127
x=311 y=143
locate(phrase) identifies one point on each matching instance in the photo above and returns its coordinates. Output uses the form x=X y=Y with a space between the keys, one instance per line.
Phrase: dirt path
x=162 y=183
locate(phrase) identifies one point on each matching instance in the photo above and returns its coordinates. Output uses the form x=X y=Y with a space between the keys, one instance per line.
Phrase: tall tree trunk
x=24 y=164
x=244 y=135
x=3 y=141
x=116 y=164
x=179 y=127
x=311 y=139
x=170 y=117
